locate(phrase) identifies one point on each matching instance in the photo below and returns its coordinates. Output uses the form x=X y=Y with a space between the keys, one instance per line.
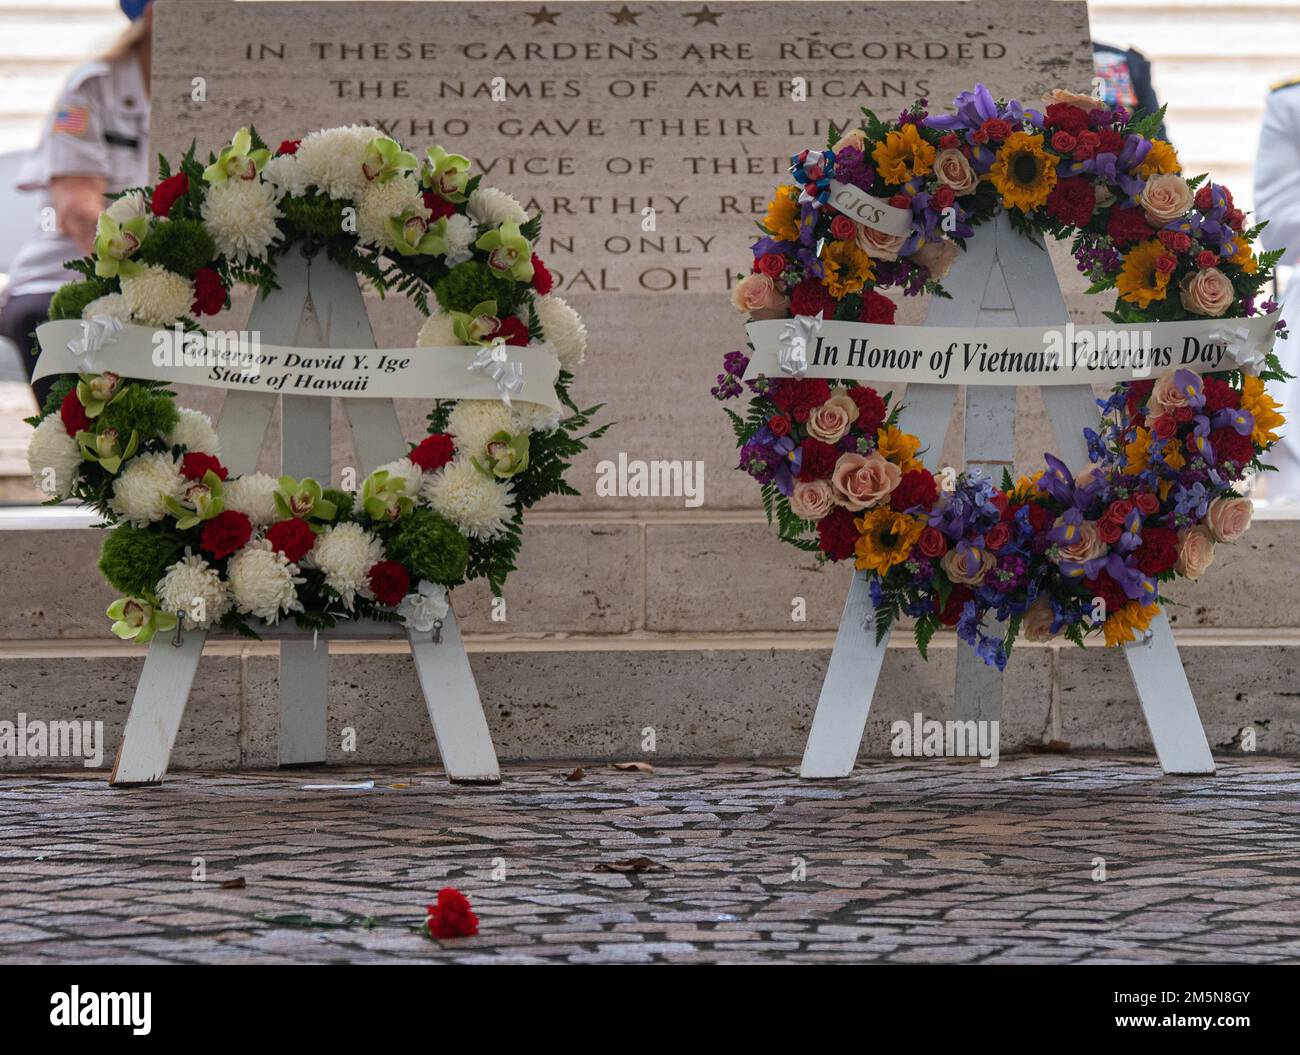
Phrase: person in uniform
x=95 y=142
x=1277 y=200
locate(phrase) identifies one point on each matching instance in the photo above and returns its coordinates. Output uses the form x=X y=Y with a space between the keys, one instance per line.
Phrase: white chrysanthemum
x=534 y=417
x=264 y=582
x=142 y=485
x=53 y=458
x=284 y=172
x=563 y=328
x=460 y=234
x=437 y=332
x=411 y=475
x=194 y=432
x=346 y=553
x=193 y=587
x=474 y=421
x=156 y=296
x=113 y=305
x=254 y=496
x=241 y=216
x=490 y=207
x=331 y=160
x=129 y=206
x=379 y=201
x=475 y=502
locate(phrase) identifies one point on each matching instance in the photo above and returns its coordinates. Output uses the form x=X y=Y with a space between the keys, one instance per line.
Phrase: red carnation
x=513 y=329
x=288 y=146
x=433 y=452
x=543 y=280
x=837 y=535
x=810 y=297
x=452 y=916
x=1231 y=446
x=1136 y=397
x=1127 y=225
x=438 y=206
x=877 y=308
x=1108 y=590
x=73 y=414
x=209 y=293
x=817 y=460
x=1072 y=202
x=1158 y=552
x=916 y=488
x=389 y=582
x=772 y=264
x=166 y=194
x=293 y=537
x=1109 y=141
x=1040 y=517
x=196 y=464
x=1065 y=118
x=799 y=398
x=871 y=408
x=1205 y=196
x=932 y=544
x=951 y=612
x=225 y=533
x=997 y=536
x=1219 y=395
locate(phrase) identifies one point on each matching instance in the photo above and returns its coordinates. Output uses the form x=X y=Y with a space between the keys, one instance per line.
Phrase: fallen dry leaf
x=233 y=884
x=638 y=767
x=1052 y=747
x=577 y=774
x=631 y=864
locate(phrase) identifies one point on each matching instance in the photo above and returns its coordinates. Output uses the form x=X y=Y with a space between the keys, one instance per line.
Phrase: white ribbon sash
x=1006 y=355
x=236 y=361
x=869 y=210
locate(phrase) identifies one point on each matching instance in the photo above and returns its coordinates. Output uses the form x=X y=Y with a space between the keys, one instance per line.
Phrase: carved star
x=704 y=15
x=624 y=17
x=543 y=17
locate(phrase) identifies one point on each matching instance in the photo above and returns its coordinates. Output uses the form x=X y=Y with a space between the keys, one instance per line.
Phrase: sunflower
x=848 y=268
x=1264 y=408
x=1161 y=158
x=1139 y=282
x=782 y=219
x=887 y=539
x=902 y=155
x=1023 y=174
x=1127 y=621
x=898 y=447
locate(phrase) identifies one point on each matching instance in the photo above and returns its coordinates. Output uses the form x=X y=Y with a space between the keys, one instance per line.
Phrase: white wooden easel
x=318 y=306
x=1003 y=279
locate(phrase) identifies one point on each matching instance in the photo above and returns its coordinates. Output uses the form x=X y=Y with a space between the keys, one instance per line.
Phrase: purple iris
x=972 y=109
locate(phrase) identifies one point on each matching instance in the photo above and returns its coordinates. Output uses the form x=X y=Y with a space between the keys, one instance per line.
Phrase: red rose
x=996 y=129
x=1109 y=531
x=842 y=228
x=901 y=201
x=871 y=408
x=433 y=452
x=916 y=488
x=166 y=194
x=1158 y=552
x=288 y=146
x=209 y=293
x=1183 y=415
x=772 y=265
x=1219 y=395
x=810 y=297
x=1088 y=145
x=225 y=533
x=196 y=464
x=1065 y=118
x=1164 y=426
x=1175 y=241
x=799 y=398
x=1229 y=446
x=514 y=330
x=943 y=197
x=1127 y=225
x=1165 y=263
x=389 y=582
x=294 y=538
x=1063 y=142
x=543 y=280
x=957 y=598
x=73 y=414
x=1206 y=258
x=877 y=308
x=932 y=544
x=979 y=136
x=1146 y=502
x=779 y=424
x=1119 y=510
x=438 y=206
x=997 y=536
x=817 y=459
x=1108 y=590
x=1072 y=202
x=451 y=917
x=1235 y=218
x=837 y=535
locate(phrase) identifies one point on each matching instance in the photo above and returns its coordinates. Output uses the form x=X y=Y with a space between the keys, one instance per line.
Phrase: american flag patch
x=71 y=120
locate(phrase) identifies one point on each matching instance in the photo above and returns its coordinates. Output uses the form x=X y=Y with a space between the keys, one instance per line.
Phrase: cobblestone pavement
x=907 y=861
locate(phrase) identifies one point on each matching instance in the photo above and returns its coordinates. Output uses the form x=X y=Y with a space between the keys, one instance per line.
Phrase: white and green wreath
x=190 y=540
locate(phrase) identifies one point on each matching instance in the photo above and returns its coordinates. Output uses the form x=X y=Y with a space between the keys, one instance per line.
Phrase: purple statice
x=729 y=384
x=1008 y=574
x=759 y=460
x=851 y=166
x=1098 y=259
x=901 y=274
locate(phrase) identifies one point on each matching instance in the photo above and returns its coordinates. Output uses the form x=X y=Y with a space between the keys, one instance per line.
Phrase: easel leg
x=304 y=697
x=156 y=711
x=1167 y=702
x=459 y=724
x=845 y=701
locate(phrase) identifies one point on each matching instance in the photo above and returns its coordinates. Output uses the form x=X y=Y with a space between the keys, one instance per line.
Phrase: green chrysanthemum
x=134 y=559
x=430 y=546
x=182 y=246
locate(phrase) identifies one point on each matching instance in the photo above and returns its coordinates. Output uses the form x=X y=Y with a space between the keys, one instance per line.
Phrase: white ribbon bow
x=426 y=608
x=494 y=361
x=1248 y=352
x=97 y=333
x=792 y=352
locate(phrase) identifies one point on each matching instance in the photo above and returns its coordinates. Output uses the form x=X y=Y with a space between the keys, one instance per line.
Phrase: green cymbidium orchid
x=302 y=499
x=384 y=497
x=509 y=252
x=385 y=158
x=447 y=175
x=237 y=160
x=139 y=618
x=105 y=448
x=203 y=500
x=116 y=243
x=504 y=455
x=96 y=391
x=413 y=235
x=477 y=325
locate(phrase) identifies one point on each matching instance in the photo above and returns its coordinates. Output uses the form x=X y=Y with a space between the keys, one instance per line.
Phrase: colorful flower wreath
x=190 y=540
x=1053 y=553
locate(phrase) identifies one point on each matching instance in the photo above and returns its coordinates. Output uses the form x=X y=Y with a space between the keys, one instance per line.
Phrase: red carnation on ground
x=817 y=459
x=877 y=308
x=871 y=408
x=209 y=293
x=389 y=582
x=1065 y=118
x=513 y=330
x=288 y=146
x=916 y=488
x=196 y=464
x=438 y=206
x=837 y=535
x=1127 y=225
x=225 y=533
x=73 y=414
x=291 y=537
x=1219 y=395
x=950 y=613
x=1158 y=552
x=1230 y=446
x=168 y=192
x=452 y=916
x=799 y=398
x=433 y=452
x=810 y=297
x=543 y=280
x=1072 y=202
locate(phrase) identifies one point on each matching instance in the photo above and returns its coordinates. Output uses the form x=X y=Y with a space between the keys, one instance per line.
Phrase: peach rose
x=1228 y=518
x=954 y=566
x=1037 y=622
x=1088 y=546
x=1086 y=103
x=1195 y=551
x=1165 y=198
x=1166 y=397
x=812 y=499
x=1207 y=292
x=937 y=256
x=756 y=295
x=877 y=244
x=856 y=138
x=863 y=480
x=832 y=419
x=953 y=170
